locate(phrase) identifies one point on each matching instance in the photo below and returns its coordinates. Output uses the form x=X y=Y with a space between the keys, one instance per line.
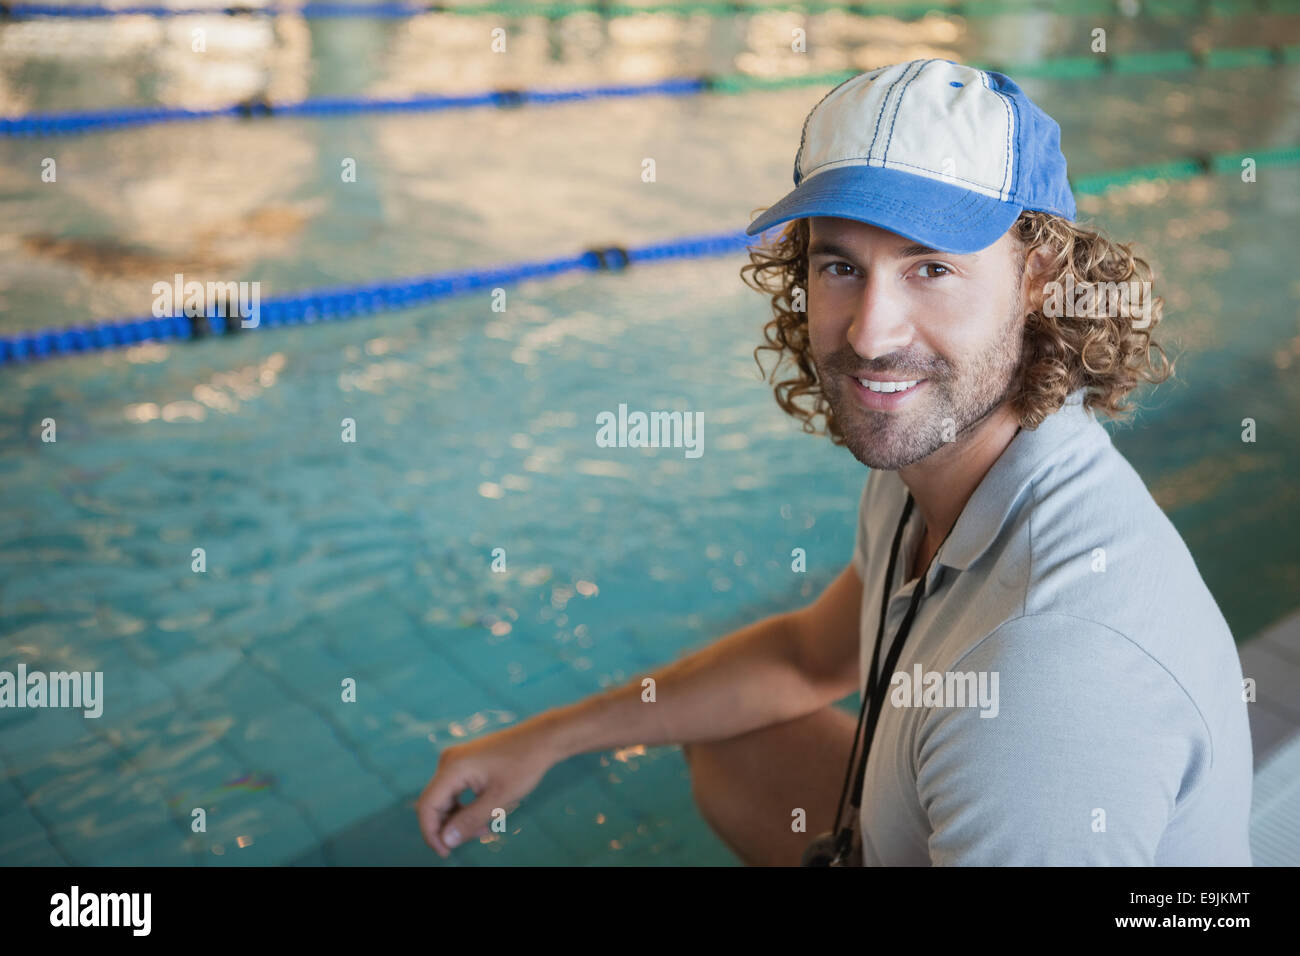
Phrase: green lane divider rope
x=901 y=9
x=1063 y=68
x=904 y=10
x=1211 y=163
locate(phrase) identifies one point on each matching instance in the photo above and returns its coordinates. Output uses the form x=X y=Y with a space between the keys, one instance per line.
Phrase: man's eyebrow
x=916 y=249
x=824 y=247
x=820 y=247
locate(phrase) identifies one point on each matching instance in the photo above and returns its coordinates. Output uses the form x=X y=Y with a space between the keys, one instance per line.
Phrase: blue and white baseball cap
x=944 y=154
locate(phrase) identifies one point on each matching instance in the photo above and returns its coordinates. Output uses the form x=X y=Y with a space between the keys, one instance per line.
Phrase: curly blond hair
x=1108 y=355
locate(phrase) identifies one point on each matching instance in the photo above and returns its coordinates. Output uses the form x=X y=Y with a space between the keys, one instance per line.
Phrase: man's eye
x=935 y=265
x=833 y=265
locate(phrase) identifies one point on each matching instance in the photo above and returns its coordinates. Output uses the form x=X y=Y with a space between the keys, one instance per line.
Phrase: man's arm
x=1091 y=747
x=777 y=669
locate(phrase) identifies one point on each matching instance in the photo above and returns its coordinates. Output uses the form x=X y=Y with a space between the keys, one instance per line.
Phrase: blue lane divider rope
x=326 y=305
x=1062 y=68
x=55 y=124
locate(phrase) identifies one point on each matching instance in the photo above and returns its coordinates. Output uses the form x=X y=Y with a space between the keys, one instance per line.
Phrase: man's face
x=884 y=307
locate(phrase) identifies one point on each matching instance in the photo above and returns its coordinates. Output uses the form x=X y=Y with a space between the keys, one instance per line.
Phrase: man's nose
x=880 y=320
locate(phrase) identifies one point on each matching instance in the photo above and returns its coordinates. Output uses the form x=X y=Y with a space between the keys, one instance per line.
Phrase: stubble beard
x=949 y=407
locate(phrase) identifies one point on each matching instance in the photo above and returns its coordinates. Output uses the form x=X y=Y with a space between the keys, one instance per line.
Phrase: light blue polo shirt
x=1120 y=734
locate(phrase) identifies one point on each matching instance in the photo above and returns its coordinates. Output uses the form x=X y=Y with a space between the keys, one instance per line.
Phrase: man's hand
x=501 y=768
x=782 y=667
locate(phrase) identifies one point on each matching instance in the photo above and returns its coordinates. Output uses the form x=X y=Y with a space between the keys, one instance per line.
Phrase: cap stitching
x=875 y=133
x=973 y=182
x=1006 y=146
x=852 y=160
x=1013 y=116
x=889 y=139
x=803 y=136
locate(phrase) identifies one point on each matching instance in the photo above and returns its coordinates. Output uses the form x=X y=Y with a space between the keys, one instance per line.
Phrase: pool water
x=475 y=429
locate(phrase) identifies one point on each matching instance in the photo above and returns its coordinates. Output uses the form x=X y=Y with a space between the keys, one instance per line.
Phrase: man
x=1049 y=679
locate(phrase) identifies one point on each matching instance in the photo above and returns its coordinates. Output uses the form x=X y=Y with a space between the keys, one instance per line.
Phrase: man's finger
x=435 y=804
x=469 y=822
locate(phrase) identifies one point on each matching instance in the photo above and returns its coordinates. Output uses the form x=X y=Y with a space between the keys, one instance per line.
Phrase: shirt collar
x=1023 y=460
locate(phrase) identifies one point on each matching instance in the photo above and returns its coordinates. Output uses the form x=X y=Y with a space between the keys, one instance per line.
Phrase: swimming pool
x=476 y=429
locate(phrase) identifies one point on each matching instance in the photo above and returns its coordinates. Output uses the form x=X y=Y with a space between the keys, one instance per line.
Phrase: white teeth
x=887 y=386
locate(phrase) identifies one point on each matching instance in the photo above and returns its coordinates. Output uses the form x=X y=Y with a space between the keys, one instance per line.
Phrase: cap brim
x=945 y=217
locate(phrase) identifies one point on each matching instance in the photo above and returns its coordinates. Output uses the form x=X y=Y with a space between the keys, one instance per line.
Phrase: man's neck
x=943 y=482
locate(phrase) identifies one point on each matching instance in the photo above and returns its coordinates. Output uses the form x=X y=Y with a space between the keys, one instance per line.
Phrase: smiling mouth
x=888 y=387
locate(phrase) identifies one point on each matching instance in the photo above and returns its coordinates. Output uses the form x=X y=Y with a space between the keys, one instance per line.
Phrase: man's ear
x=1037 y=263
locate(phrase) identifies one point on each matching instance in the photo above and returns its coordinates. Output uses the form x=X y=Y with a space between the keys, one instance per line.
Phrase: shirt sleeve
x=1091 y=746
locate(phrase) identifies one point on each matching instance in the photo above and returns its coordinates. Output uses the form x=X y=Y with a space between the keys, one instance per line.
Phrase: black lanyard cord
x=873 y=702
x=866 y=697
